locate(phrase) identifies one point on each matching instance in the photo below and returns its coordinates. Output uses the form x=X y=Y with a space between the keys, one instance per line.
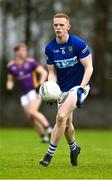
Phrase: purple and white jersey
x=25 y=75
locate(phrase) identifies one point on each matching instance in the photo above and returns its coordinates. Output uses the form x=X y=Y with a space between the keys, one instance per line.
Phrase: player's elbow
x=91 y=69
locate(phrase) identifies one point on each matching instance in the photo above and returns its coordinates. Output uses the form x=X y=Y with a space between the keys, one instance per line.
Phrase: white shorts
x=64 y=95
x=27 y=98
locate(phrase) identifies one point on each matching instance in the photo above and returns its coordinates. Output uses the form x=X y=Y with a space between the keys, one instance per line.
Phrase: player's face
x=22 y=52
x=61 y=26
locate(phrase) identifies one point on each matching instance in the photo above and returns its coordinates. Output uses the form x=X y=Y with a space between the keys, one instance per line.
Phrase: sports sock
x=72 y=146
x=51 y=149
x=48 y=129
x=42 y=135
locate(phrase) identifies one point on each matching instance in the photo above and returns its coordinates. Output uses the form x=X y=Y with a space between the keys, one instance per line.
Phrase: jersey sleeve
x=34 y=64
x=9 y=70
x=48 y=55
x=82 y=49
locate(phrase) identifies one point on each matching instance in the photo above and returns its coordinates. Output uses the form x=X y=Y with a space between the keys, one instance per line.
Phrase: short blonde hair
x=18 y=46
x=61 y=15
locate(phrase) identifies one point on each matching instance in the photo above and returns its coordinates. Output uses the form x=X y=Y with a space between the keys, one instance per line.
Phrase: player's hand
x=80 y=91
x=37 y=88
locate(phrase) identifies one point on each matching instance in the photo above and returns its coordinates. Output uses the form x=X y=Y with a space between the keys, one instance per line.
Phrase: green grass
x=21 y=150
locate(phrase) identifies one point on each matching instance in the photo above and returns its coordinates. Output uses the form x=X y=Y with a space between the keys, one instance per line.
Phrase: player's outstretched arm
x=52 y=73
x=88 y=70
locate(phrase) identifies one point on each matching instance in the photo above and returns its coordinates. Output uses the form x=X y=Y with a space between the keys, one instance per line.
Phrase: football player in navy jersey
x=69 y=63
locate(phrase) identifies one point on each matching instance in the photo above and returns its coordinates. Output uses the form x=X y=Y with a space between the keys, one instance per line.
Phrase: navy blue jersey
x=66 y=58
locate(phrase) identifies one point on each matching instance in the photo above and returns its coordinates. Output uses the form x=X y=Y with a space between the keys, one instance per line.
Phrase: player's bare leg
x=69 y=130
x=58 y=131
x=70 y=137
x=36 y=123
x=40 y=130
x=34 y=111
x=63 y=114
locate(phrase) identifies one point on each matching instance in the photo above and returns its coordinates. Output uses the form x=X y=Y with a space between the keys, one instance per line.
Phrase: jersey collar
x=64 y=42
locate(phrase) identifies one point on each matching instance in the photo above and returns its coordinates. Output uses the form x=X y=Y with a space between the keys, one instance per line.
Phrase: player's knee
x=60 y=118
x=31 y=113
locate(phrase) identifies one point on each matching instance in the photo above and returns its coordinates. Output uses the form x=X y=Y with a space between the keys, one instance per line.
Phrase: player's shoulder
x=30 y=59
x=78 y=43
x=76 y=39
x=10 y=63
x=51 y=44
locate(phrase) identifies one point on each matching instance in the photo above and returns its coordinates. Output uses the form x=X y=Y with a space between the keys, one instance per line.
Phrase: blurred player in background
x=30 y=75
x=70 y=65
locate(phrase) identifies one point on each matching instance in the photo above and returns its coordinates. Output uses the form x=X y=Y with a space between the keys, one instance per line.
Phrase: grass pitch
x=21 y=150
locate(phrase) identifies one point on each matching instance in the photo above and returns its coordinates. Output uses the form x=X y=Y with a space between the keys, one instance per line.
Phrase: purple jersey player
x=25 y=75
x=26 y=71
